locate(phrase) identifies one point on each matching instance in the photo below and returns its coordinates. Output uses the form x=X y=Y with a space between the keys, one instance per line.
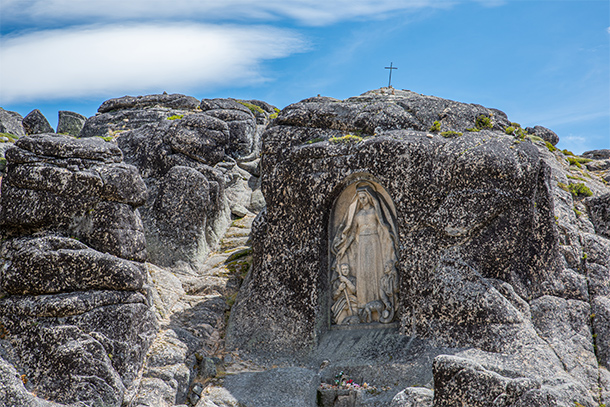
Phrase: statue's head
x=389 y=266
x=364 y=192
x=344 y=269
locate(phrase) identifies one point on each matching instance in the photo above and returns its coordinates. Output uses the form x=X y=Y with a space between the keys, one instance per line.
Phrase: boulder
x=544 y=133
x=70 y=122
x=241 y=122
x=72 y=272
x=36 y=123
x=52 y=264
x=295 y=387
x=599 y=213
x=492 y=264
x=413 y=397
x=127 y=113
x=10 y=122
x=461 y=382
x=602 y=154
x=173 y=101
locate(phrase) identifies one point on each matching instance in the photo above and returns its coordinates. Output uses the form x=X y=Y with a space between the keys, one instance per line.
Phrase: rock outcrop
x=10 y=122
x=122 y=258
x=36 y=123
x=496 y=253
x=70 y=122
x=75 y=320
x=190 y=154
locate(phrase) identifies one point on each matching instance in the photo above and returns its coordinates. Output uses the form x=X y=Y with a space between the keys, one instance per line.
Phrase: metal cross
x=390 y=68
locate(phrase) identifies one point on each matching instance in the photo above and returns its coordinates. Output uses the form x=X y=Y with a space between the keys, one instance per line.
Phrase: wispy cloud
x=308 y=12
x=107 y=60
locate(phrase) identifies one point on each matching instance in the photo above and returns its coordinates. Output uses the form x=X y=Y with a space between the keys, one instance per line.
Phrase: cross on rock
x=390 y=68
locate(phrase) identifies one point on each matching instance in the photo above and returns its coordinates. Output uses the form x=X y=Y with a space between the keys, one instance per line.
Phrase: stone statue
x=344 y=295
x=366 y=241
x=389 y=289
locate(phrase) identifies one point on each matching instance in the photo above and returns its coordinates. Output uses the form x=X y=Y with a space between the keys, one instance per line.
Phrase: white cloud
x=309 y=12
x=107 y=60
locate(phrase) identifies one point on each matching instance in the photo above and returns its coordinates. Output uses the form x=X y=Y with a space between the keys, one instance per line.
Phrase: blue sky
x=543 y=62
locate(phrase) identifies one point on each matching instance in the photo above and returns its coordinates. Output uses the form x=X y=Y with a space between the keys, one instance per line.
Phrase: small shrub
x=273 y=116
x=10 y=137
x=515 y=125
x=314 y=140
x=253 y=108
x=567 y=152
x=483 y=122
x=574 y=161
x=550 y=146
x=451 y=133
x=436 y=126
x=535 y=138
x=472 y=129
x=2 y=163
x=509 y=130
x=176 y=117
x=106 y=138
x=577 y=161
x=348 y=138
x=563 y=186
x=579 y=189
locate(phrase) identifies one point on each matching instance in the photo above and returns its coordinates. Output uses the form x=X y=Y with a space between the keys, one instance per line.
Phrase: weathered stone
x=27 y=209
x=13 y=391
x=459 y=381
x=483 y=191
x=61 y=146
x=116 y=122
x=565 y=325
x=53 y=264
x=121 y=322
x=543 y=133
x=601 y=327
x=598 y=165
x=70 y=122
x=122 y=183
x=599 y=212
x=295 y=387
x=10 y=122
x=173 y=101
x=413 y=397
x=67 y=366
x=182 y=200
x=241 y=122
x=36 y=123
x=114 y=228
x=602 y=154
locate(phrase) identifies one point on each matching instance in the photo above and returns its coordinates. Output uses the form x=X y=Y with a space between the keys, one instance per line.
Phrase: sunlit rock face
x=74 y=319
x=468 y=219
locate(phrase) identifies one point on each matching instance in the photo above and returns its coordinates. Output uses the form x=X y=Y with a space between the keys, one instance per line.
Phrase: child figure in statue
x=388 y=289
x=344 y=295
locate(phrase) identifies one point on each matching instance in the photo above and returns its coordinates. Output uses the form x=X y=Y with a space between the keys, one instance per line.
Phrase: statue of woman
x=366 y=240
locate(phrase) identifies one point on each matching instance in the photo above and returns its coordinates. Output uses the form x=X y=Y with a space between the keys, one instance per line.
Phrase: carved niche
x=363 y=246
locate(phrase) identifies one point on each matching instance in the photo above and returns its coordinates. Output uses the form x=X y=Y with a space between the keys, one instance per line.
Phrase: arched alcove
x=363 y=255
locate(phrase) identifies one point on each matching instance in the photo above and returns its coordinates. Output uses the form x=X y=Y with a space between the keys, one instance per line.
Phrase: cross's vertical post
x=390 y=68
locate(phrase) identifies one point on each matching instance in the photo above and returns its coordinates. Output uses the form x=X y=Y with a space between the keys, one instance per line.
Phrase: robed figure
x=366 y=239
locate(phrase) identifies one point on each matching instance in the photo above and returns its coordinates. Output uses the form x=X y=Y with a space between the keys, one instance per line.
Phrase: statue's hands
x=342 y=286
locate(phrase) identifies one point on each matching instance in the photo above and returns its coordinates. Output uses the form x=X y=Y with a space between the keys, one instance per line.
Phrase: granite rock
x=10 y=122
x=36 y=123
x=70 y=122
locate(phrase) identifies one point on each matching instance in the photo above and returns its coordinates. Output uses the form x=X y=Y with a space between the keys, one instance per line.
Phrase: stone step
x=233 y=242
